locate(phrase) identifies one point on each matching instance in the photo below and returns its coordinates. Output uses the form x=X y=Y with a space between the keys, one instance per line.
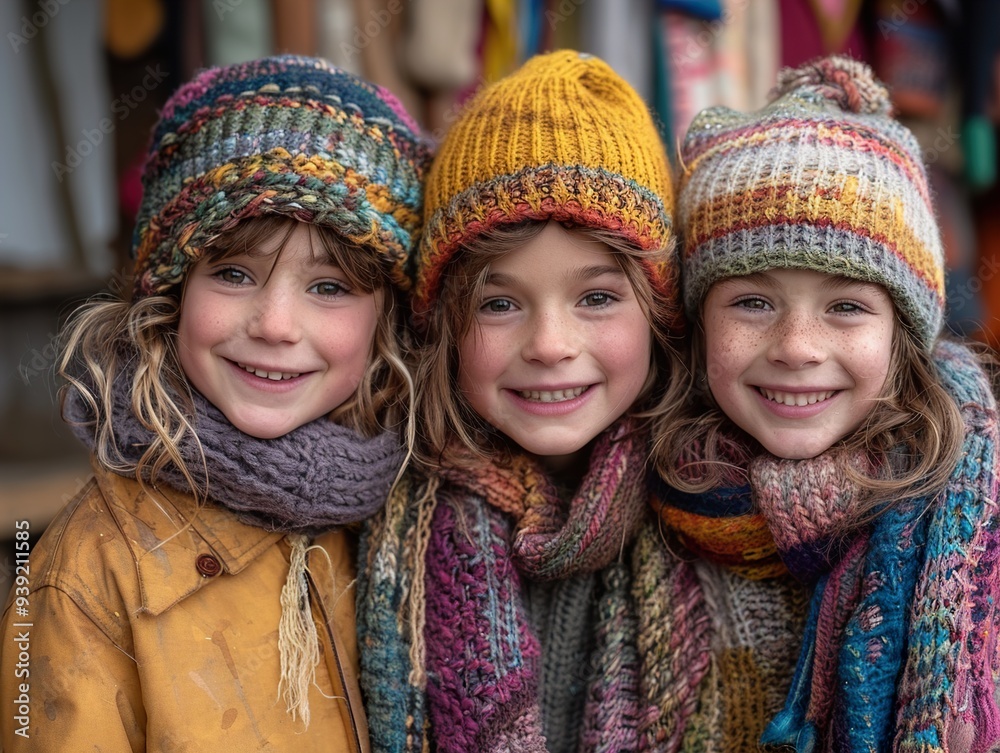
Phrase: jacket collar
x=179 y=547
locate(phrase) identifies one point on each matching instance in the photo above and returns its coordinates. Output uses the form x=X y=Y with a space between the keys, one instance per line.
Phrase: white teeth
x=556 y=396
x=797 y=398
x=275 y=376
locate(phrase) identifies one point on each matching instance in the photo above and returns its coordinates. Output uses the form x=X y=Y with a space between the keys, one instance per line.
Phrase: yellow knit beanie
x=562 y=138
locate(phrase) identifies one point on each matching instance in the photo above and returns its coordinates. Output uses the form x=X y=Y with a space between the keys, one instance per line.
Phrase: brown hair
x=913 y=435
x=108 y=336
x=443 y=413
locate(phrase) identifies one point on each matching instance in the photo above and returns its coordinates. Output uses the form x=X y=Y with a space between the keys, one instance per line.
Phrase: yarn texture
x=478 y=676
x=821 y=178
x=898 y=651
x=316 y=477
x=287 y=135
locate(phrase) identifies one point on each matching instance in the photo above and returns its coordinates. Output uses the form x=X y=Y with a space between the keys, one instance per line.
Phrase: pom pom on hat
x=562 y=138
x=821 y=178
x=288 y=135
x=841 y=79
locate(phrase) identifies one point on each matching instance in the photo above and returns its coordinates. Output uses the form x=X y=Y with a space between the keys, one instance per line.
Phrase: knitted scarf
x=316 y=477
x=490 y=529
x=899 y=650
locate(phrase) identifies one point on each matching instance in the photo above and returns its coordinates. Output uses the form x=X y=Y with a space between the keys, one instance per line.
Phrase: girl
x=545 y=295
x=830 y=486
x=243 y=410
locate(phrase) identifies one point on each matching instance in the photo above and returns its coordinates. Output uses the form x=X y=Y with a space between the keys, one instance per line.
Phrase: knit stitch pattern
x=822 y=179
x=315 y=477
x=288 y=135
x=388 y=552
x=483 y=661
x=899 y=649
x=564 y=138
x=901 y=652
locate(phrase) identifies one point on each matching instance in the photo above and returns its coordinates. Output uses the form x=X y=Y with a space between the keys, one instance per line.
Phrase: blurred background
x=82 y=82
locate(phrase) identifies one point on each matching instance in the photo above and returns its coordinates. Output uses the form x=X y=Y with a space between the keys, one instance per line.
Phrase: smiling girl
x=546 y=298
x=244 y=409
x=829 y=486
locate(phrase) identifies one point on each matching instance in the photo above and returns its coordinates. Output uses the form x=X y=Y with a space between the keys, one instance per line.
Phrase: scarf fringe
x=298 y=640
x=417 y=560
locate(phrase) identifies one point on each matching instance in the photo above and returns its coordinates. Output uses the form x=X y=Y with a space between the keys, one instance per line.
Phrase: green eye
x=329 y=289
x=596 y=299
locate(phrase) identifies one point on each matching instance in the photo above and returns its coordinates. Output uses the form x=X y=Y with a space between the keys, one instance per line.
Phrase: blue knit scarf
x=900 y=650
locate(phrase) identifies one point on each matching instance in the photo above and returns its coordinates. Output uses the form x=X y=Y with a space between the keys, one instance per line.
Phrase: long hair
x=110 y=337
x=912 y=436
x=443 y=413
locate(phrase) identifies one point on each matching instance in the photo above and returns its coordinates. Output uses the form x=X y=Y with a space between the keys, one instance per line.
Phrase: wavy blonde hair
x=443 y=413
x=110 y=337
x=913 y=435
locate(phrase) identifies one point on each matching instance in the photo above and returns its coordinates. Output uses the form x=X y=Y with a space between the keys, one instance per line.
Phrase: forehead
x=555 y=253
x=789 y=278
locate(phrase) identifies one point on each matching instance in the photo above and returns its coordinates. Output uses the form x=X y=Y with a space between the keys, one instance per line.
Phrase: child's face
x=796 y=358
x=275 y=345
x=559 y=348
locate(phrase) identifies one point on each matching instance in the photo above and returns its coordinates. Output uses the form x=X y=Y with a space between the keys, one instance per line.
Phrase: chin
x=794 y=451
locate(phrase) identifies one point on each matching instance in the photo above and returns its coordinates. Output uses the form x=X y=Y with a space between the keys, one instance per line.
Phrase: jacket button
x=207 y=565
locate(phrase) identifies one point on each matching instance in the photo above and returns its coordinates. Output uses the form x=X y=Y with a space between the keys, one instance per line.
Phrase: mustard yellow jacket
x=138 y=638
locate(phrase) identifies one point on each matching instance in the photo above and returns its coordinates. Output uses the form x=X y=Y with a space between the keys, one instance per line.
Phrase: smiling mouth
x=554 y=396
x=274 y=376
x=796 y=398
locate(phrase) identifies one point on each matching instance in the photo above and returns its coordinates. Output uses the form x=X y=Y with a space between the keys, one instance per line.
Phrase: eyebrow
x=835 y=282
x=832 y=282
x=580 y=274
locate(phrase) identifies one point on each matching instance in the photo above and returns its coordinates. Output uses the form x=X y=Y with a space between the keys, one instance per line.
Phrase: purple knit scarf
x=316 y=477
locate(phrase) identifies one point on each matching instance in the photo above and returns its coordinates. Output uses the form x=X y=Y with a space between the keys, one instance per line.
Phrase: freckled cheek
x=729 y=350
x=868 y=356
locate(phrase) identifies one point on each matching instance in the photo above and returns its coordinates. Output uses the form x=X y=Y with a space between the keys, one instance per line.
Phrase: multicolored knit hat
x=562 y=138
x=822 y=178
x=288 y=135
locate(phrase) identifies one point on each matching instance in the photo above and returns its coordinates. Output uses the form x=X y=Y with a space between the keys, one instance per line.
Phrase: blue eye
x=498 y=306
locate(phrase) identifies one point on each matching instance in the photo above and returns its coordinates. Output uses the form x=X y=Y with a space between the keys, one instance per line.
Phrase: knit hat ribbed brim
x=291 y=136
x=823 y=179
x=563 y=138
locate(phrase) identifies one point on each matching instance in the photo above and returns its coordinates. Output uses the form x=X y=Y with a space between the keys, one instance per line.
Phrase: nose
x=272 y=316
x=551 y=338
x=796 y=341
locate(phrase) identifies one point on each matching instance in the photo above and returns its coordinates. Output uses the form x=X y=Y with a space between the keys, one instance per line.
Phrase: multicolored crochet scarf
x=490 y=529
x=900 y=645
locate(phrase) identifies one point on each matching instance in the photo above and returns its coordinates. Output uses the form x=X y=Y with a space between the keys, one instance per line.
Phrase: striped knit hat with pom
x=823 y=179
x=291 y=136
x=563 y=138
